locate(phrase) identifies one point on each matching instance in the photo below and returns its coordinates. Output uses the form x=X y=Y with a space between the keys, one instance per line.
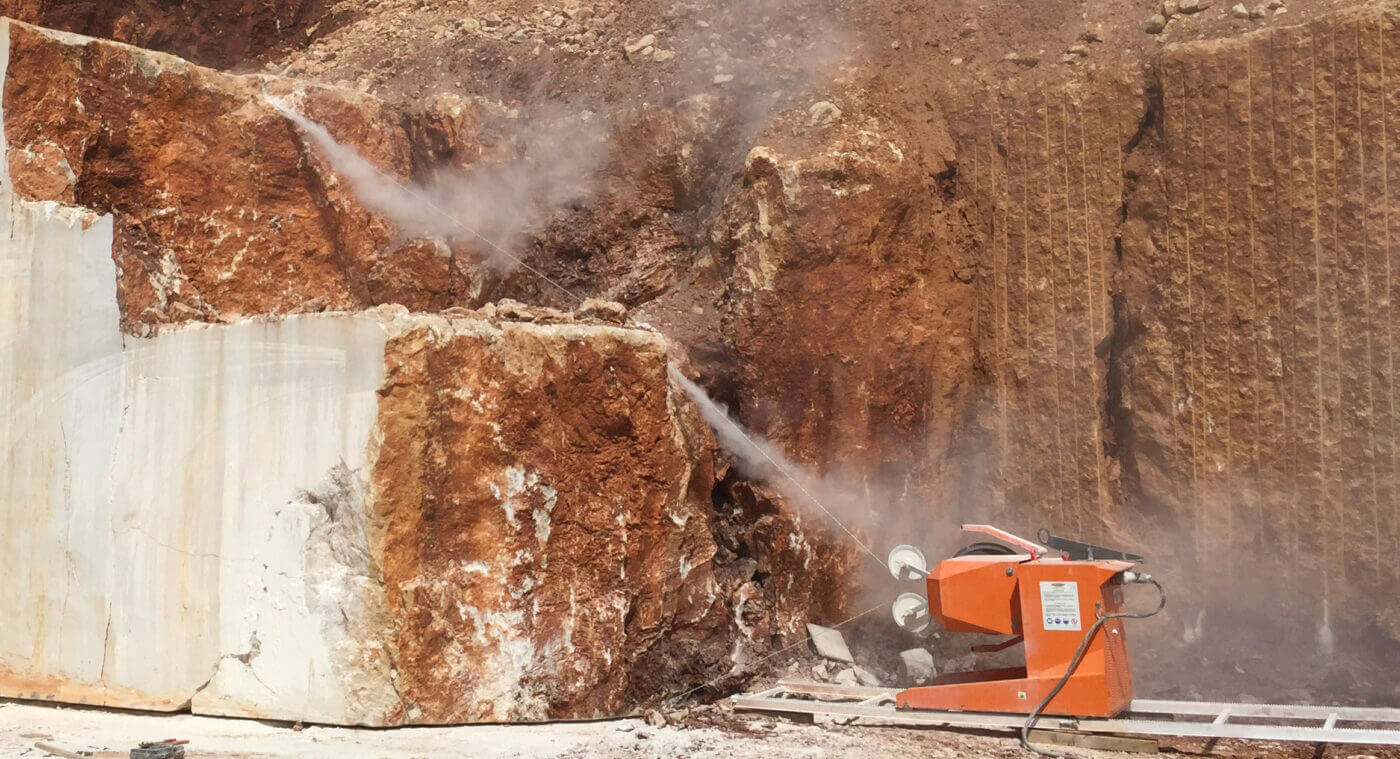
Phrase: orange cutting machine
x=1063 y=599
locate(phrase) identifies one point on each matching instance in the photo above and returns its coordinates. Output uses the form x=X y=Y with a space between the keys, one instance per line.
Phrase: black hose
x=1074 y=664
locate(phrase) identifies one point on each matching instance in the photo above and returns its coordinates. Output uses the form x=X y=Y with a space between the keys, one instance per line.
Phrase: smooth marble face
x=155 y=522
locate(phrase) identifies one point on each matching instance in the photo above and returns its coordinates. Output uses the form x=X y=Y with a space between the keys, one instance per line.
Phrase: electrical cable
x=1074 y=664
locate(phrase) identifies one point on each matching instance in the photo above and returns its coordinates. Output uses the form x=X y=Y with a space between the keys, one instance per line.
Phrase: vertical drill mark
x=1101 y=246
x=1285 y=248
x=1317 y=302
x=1215 y=333
x=1084 y=225
x=1189 y=136
x=1389 y=293
x=1172 y=151
x=1073 y=325
x=1110 y=195
x=1090 y=235
x=1025 y=246
x=1227 y=328
x=1257 y=375
x=1367 y=320
x=1338 y=516
x=1054 y=318
x=999 y=297
x=1302 y=105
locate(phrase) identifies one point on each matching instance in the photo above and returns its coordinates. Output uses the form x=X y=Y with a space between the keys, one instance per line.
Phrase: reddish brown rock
x=848 y=298
x=1141 y=304
x=1184 y=314
x=1043 y=169
x=223 y=208
x=219 y=212
x=541 y=521
x=1257 y=260
x=222 y=33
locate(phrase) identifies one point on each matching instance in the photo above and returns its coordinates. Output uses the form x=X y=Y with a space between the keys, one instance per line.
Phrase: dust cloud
x=560 y=151
x=760 y=460
x=740 y=45
x=755 y=60
x=558 y=154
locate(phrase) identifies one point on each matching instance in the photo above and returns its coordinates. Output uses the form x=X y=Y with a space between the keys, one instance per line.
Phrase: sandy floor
x=716 y=734
x=706 y=733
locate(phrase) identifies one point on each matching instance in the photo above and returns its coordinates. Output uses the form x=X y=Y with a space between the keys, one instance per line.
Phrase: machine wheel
x=985 y=549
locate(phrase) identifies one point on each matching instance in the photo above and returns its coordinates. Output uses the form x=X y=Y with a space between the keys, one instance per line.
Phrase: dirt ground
x=709 y=731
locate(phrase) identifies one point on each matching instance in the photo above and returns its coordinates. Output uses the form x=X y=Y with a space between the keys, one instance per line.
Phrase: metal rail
x=1145 y=717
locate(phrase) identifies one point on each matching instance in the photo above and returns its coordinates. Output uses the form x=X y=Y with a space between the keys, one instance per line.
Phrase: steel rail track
x=1144 y=717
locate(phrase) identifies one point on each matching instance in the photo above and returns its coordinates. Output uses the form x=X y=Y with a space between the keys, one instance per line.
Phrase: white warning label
x=1059 y=605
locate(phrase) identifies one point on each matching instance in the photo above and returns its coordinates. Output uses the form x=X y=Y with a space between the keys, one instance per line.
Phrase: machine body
x=1046 y=601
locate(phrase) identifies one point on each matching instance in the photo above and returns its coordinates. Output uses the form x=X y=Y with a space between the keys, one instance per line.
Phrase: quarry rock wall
x=1141 y=301
x=541 y=503
x=221 y=209
x=221 y=33
x=368 y=517
x=150 y=489
x=1045 y=168
x=1185 y=309
x=1260 y=265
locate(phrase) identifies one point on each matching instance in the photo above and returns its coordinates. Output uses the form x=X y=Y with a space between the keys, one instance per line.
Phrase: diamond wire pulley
x=910 y=610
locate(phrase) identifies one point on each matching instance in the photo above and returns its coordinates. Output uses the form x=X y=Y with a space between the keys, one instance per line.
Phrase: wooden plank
x=1095 y=742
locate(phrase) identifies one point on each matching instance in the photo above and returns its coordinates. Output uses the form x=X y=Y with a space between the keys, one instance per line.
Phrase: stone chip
x=823 y=112
x=829 y=643
x=918 y=665
x=645 y=41
x=602 y=310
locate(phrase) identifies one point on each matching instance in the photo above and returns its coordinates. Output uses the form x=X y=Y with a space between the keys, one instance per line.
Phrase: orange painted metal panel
x=1052 y=603
x=975 y=594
